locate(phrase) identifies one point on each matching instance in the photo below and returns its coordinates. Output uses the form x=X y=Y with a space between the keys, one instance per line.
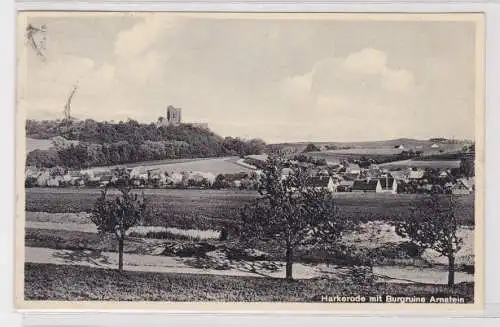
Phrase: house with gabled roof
x=388 y=185
x=461 y=188
x=366 y=186
x=322 y=182
x=416 y=174
x=380 y=185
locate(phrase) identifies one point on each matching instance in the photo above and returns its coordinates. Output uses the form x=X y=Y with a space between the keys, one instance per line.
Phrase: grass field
x=75 y=283
x=433 y=164
x=376 y=146
x=222 y=165
x=35 y=144
x=210 y=209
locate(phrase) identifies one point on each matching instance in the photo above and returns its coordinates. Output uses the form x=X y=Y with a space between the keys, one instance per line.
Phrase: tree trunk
x=289 y=262
x=451 y=270
x=120 y=254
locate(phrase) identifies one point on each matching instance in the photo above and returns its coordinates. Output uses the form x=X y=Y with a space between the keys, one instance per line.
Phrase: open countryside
x=196 y=167
x=194 y=224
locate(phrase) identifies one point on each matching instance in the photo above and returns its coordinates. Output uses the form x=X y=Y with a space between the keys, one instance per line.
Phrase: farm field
x=219 y=165
x=422 y=145
x=209 y=209
x=66 y=282
x=335 y=156
x=433 y=164
x=206 y=209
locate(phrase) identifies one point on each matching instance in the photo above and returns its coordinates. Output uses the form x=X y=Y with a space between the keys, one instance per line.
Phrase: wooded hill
x=108 y=143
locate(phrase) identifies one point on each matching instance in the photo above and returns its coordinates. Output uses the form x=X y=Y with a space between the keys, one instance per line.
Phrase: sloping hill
x=34 y=144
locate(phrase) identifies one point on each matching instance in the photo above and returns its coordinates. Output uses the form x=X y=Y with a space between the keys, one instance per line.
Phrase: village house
x=416 y=174
x=388 y=185
x=345 y=186
x=139 y=172
x=322 y=182
x=462 y=188
x=74 y=177
x=382 y=185
x=400 y=175
x=353 y=169
x=43 y=178
x=105 y=179
x=365 y=186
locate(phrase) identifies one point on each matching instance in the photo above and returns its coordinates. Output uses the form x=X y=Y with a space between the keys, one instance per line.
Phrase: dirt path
x=163 y=264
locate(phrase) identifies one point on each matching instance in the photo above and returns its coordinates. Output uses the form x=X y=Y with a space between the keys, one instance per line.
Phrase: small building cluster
x=351 y=178
x=141 y=177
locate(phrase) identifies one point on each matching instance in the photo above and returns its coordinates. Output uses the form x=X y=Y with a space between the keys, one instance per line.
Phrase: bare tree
x=119 y=214
x=291 y=212
x=433 y=225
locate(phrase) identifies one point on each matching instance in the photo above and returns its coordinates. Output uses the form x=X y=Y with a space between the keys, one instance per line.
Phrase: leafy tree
x=467 y=167
x=119 y=214
x=43 y=158
x=290 y=212
x=433 y=225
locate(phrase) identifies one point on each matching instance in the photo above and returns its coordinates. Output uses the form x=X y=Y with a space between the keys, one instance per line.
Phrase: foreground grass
x=59 y=283
x=212 y=209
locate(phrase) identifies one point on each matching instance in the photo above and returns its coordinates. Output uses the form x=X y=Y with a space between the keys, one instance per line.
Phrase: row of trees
x=83 y=155
x=295 y=215
x=310 y=159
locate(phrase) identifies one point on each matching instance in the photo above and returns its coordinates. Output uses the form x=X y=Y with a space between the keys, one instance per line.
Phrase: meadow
x=35 y=144
x=214 y=209
x=219 y=165
x=75 y=283
x=424 y=164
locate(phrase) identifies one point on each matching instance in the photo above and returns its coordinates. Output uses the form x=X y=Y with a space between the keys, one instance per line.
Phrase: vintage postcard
x=250 y=161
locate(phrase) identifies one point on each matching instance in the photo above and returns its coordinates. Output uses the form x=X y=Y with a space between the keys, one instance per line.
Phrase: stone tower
x=173 y=116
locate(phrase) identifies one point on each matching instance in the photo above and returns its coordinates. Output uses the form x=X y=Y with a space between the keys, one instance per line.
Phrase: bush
x=188 y=249
x=240 y=254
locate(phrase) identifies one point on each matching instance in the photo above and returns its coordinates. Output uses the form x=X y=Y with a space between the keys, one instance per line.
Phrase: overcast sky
x=280 y=80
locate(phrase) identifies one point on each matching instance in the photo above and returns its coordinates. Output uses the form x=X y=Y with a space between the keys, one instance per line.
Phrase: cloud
x=359 y=88
x=398 y=80
x=139 y=39
x=361 y=79
x=371 y=61
x=367 y=61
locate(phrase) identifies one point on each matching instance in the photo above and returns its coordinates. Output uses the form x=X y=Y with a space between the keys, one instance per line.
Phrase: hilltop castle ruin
x=174 y=118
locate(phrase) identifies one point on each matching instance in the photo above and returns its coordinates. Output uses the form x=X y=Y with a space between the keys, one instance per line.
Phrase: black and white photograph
x=220 y=158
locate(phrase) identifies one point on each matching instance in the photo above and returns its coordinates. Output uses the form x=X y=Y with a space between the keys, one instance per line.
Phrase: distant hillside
x=407 y=143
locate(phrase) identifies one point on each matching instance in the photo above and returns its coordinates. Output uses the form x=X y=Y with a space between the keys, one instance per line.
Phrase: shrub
x=188 y=249
x=160 y=232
